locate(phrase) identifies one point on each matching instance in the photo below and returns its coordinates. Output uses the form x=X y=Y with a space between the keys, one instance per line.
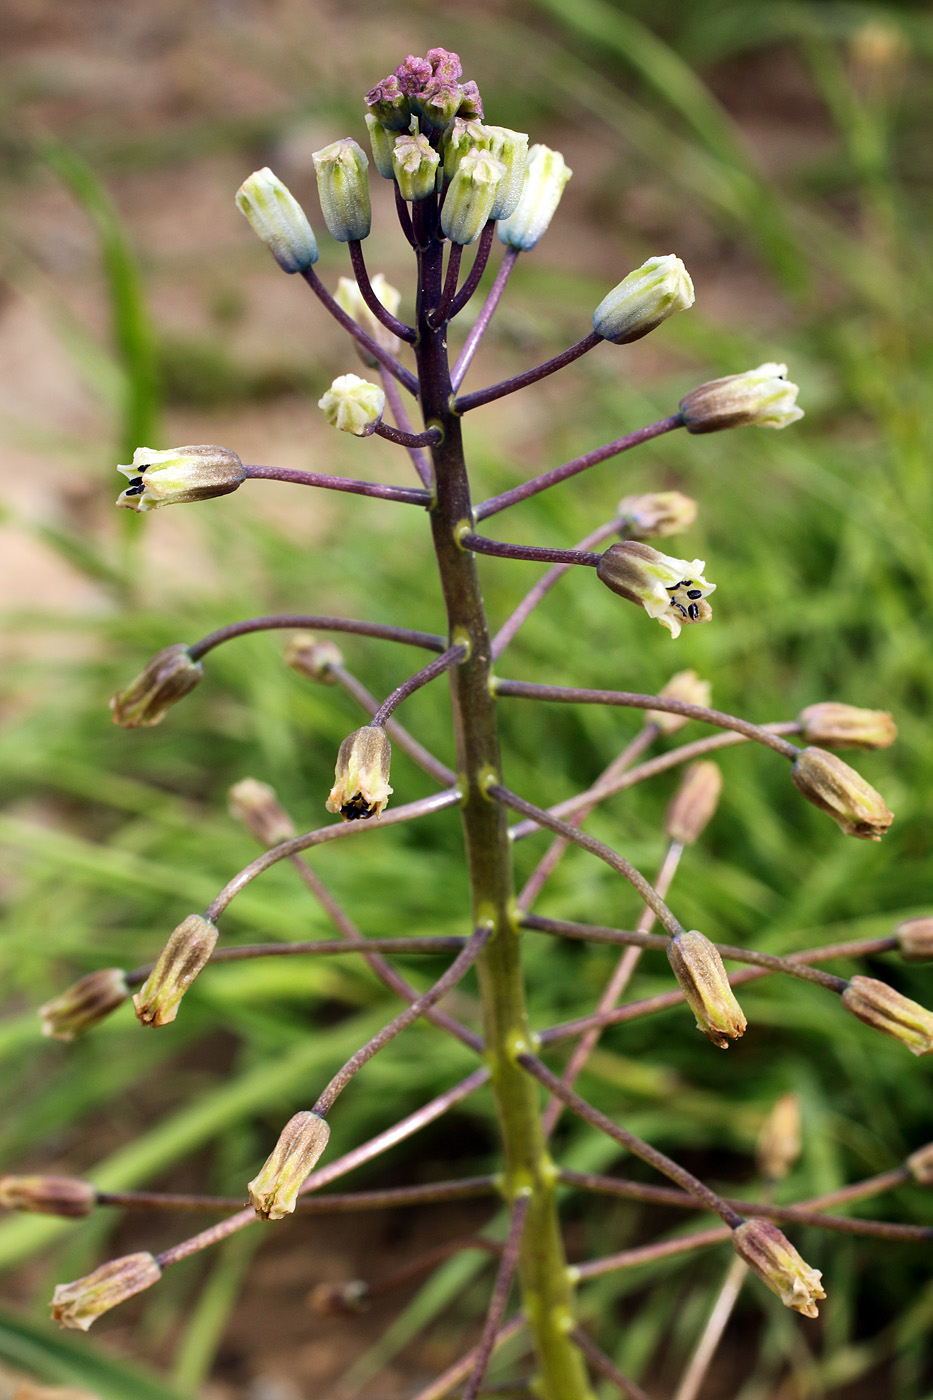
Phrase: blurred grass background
x=783 y=151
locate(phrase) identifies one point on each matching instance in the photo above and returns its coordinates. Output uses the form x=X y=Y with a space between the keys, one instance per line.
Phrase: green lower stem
x=546 y=1286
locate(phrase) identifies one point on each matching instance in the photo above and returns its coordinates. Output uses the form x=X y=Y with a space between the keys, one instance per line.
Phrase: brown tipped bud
x=779 y=1141
x=657 y=513
x=703 y=981
x=888 y=1011
x=78 y=1304
x=48 y=1195
x=671 y=590
x=166 y=678
x=84 y=1003
x=274 y=1191
x=768 y=1251
x=920 y=1165
x=257 y=807
x=312 y=658
x=187 y=950
x=693 y=804
x=181 y=474
x=686 y=686
x=846 y=727
x=361 y=777
x=340 y=1299
x=836 y=788
x=761 y=396
x=915 y=939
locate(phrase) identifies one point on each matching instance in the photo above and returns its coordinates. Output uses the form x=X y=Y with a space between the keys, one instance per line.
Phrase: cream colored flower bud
x=188 y=948
x=670 y=590
x=888 y=1011
x=693 y=804
x=343 y=189
x=838 y=726
x=703 y=981
x=644 y=299
x=686 y=686
x=779 y=1141
x=66 y=1196
x=763 y=397
x=80 y=1303
x=769 y=1252
x=179 y=475
x=350 y=299
x=382 y=144
x=920 y=1165
x=511 y=147
x=353 y=405
x=278 y=219
x=470 y=196
x=915 y=939
x=83 y=1004
x=162 y=683
x=361 y=777
x=414 y=165
x=312 y=658
x=256 y=805
x=273 y=1193
x=656 y=513
x=836 y=788
x=546 y=174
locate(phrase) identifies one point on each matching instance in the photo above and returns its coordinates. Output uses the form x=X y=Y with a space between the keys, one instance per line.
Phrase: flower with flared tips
x=546 y=174
x=671 y=590
x=361 y=776
x=353 y=405
x=188 y=948
x=343 y=189
x=768 y=1251
x=162 y=683
x=699 y=971
x=178 y=475
x=278 y=219
x=273 y=1192
x=644 y=299
x=836 y=788
x=80 y=1303
x=888 y=1011
x=763 y=397
x=84 y=1003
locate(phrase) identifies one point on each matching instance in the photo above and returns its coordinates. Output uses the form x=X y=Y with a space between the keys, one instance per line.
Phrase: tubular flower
x=343 y=189
x=83 y=1004
x=656 y=513
x=673 y=591
x=888 y=1011
x=278 y=219
x=471 y=195
x=698 y=968
x=644 y=299
x=273 y=1192
x=80 y=1303
x=546 y=174
x=188 y=949
x=361 y=777
x=163 y=682
x=763 y=397
x=66 y=1196
x=839 y=726
x=350 y=299
x=178 y=475
x=768 y=1251
x=836 y=788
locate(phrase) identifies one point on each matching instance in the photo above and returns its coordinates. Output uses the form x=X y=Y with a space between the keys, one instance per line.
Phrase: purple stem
x=339 y=1167
x=444 y=1383
x=544 y=585
x=481 y=324
x=406 y=439
x=338 y=1203
x=439 y=771
x=420 y=460
x=608 y=1368
x=404 y=217
x=476 y=271
x=597 y=848
x=579 y=464
x=457 y=970
x=500 y=1295
x=651 y=1155
x=429 y=640
x=588 y=933
x=320 y=946
x=530 y=376
x=440 y=313
x=542 y=555
x=435 y=668
x=571 y=694
x=372 y=347
x=410 y=495
x=381 y=313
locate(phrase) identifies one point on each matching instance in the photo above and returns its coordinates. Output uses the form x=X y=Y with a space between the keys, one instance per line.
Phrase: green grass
x=819 y=541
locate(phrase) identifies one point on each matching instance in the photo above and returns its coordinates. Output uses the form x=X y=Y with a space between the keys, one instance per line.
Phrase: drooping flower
x=673 y=591
x=179 y=474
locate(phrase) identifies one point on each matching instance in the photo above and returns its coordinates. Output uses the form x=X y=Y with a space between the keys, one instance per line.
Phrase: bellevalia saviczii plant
x=457 y=182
